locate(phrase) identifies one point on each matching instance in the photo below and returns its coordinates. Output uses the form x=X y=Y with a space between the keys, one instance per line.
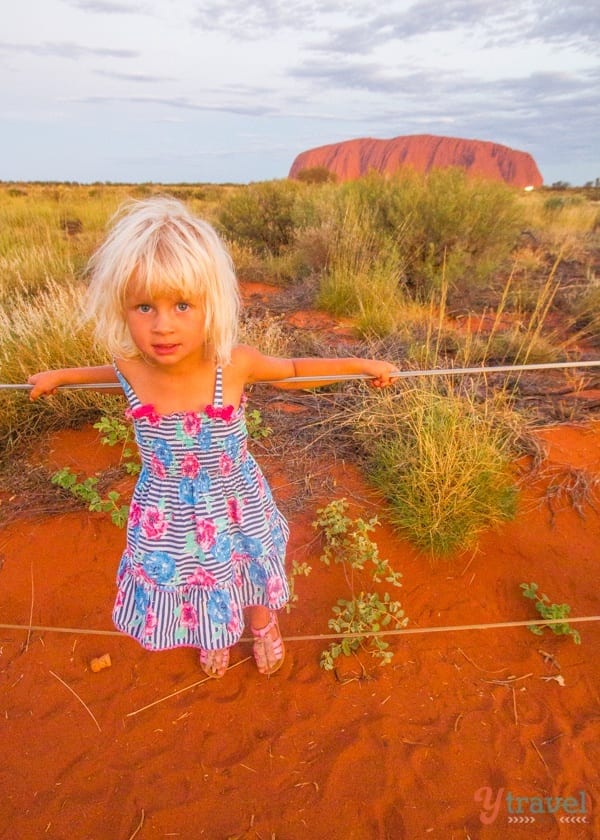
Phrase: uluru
x=350 y=159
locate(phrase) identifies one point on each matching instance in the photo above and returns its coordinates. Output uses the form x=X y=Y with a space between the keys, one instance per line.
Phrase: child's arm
x=46 y=382
x=267 y=368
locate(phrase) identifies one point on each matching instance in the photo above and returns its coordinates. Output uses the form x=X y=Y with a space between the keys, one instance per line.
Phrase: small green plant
x=114 y=432
x=255 y=425
x=298 y=569
x=87 y=491
x=550 y=611
x=358 y=619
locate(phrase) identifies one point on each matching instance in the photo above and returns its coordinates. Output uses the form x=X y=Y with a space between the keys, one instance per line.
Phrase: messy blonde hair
x=165 y=249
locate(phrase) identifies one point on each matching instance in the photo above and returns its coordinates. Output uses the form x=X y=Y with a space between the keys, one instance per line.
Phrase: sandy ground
x=468 y=733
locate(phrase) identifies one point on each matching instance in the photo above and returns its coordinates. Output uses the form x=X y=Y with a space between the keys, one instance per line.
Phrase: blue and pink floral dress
x=204 y=537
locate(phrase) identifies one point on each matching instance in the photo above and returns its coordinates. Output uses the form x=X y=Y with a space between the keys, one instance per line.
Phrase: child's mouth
x=164 y=349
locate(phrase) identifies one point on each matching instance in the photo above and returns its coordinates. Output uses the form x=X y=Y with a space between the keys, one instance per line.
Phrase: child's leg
x=269 y=650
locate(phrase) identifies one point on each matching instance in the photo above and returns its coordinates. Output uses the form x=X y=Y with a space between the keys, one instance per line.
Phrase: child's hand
x=380 y=373
x=44 y=383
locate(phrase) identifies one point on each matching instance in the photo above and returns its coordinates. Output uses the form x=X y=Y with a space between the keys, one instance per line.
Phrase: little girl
x=205 y=540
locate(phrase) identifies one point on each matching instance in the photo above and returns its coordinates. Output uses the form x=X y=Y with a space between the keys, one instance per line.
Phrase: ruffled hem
x=195 y=616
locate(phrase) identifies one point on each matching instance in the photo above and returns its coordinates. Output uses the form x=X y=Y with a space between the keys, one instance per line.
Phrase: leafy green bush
x=445 y=226
x=360 y=618
x=263 y=215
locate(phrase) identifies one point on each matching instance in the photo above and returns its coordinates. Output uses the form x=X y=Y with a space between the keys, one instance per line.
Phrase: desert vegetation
x=433 y=272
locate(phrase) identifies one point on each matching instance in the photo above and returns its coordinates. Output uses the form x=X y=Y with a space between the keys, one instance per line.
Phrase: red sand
x=401 y=751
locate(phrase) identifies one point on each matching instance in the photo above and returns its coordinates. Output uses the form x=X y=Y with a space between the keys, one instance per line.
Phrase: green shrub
x=446 y=226
x=316 y=175
x=262 y=215
x=443 y=465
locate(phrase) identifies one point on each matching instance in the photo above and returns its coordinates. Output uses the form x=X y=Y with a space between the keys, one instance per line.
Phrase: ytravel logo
x=525 y=809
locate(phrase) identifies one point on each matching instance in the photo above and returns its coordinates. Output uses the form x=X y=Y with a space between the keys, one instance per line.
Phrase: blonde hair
x=165 y=249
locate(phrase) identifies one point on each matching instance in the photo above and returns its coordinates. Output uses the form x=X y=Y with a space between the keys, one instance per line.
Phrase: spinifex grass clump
x=347 y=541
x=443 y=463
x=546 y=609
x=39 y=335
x=362 y=272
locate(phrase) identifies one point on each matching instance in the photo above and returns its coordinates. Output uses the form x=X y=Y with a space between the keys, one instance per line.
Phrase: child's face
x=167 y=329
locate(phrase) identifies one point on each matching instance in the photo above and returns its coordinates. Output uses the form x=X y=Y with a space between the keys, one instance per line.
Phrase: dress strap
x=218 y=395
x=130 y=394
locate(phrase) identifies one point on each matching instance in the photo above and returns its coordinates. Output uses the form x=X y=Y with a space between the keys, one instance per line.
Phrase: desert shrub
x=445 y=227
x=264 y=216
x=443 y=463
x=316 y=175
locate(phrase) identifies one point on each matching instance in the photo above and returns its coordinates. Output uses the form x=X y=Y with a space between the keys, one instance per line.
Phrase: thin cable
x=399 y=374
x=410 y=631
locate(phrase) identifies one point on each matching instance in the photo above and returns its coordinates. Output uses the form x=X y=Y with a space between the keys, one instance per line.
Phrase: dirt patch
x=146 y=747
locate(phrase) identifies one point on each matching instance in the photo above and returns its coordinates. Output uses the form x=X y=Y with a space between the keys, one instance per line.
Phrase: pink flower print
x=206 y=533
x=234 y=509
x=157 y=466
x=275 y=590
x=190 y=466
x=188 y=616
x=225 y=464
x=233 y=625
x=238 y=580
x=151 y=622
x=144 y=412
x=192 y=423
x=135 y=514
x=154 y=523
x=201 y=577
x=119 y=600
x=261 y=483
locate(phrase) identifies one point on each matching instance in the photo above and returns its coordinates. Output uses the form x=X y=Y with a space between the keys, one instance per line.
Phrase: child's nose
x=163 y=321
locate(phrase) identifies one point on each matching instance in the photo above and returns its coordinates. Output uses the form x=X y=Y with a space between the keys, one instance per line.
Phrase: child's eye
x=182 y=306
x=144 y=307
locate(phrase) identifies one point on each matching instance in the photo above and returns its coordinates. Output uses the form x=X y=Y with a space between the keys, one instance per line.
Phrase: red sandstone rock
x=352 y=158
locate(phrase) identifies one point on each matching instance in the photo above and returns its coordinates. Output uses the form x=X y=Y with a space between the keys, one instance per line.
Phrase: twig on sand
x=508 y=680
x=543 y=760
x=139 y=827
x=28 y=639
x=74 y=693
x=181 y=690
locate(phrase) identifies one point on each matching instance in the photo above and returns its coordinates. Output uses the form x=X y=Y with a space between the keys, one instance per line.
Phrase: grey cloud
x=178 y=103
x=142 y=78
x=508 y=23
x=108 y=7
x=260 y=18
x=66 y=49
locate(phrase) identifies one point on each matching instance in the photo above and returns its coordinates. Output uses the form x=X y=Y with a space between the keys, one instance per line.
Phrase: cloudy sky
x=233 y=90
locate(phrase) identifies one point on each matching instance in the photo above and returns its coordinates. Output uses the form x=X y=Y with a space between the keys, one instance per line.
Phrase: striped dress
x=204 y=536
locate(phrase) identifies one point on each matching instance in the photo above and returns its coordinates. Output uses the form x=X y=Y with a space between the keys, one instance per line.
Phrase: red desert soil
x=440 y=743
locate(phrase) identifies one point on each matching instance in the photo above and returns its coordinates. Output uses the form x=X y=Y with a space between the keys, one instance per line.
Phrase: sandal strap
x=268 y=651
x=260 y=633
